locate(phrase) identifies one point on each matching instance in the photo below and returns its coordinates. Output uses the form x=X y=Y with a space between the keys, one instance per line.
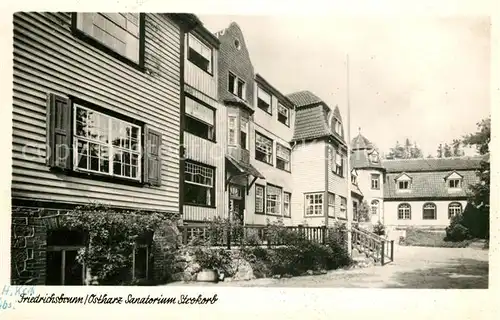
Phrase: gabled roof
x=432 y=164
x=361 y=159
x=428 y=185
x=452 y=173
x=401 y=175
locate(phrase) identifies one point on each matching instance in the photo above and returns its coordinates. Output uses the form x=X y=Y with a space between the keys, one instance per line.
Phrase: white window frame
x=377 y=180
x=424 y=208
x=244 y=127
x=138 y=152
x=331 y=204
x=232 y=126
x=457 y=181
x=407 y=187
x=195 y=110
x=235 y=86
x=285 y=112
x=264 y=147
x=207 y=173
x=283 y=149
x=274 y=196
x=454 y=208
x=201 y=46
x=266 y=95
x=316 y=205
x=260 y=197
x=339 y=164
x=287 y=198
x=404 y=211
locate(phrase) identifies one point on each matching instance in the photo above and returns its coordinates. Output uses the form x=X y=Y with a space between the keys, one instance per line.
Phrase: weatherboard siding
x=49 y=59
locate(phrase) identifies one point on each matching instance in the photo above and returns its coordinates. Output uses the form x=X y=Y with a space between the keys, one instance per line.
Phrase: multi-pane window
x=429 y=211
x=231 y=125
x=199 y=54
x=236 y=86
x=336 y=126
x=331 y=204
x=244 y=133
x=404 y=211
x=286 y=204
x=119 y=32
x=282 y=157
x=259 y=199
x=263 y=148
x=314 y=204
x=339 y=164
x=454 y=209
x=273 y=200
x=454 y=183
x=374 y=207
x=200 y=119
x=375 y=181
x=283 y=114
x=403 y=185
x=106 y=145
x=199 y=184
x=264 y=100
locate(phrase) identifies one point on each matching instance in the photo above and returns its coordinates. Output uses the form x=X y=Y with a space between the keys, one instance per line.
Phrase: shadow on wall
x=457 y=274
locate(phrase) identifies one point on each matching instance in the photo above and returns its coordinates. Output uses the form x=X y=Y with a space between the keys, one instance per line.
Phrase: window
x=236 y=86
x=454 y=183
x=118 y=32
x=273 y=200
x=354 y=179
x=200 y=119
x=244 y=133
x=282 y=157
x=336 y=126
x=429 y=212
x=199 y=54
x=355 y=210
x=263 y=148
x=454 y=209
x=231 y=130
x=62 y=265
x=106 y=145
x=199 y=184
x=314 y=204
x=283 y=114
x=264 y=100
x=404 y=211
x=403 y=185
x=286 y=204
x=374 y=157
x=339 y=164
x=375 y=181
x=374 y=207
x=259 y=199
x=331 y=205
x=343 y=208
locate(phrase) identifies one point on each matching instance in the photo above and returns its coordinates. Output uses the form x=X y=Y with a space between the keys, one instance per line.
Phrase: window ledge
x=199 y=205
x=269 y=164
x=103 y=177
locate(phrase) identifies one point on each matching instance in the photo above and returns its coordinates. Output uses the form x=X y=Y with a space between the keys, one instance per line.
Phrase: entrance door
x=237 y=204
x=62 y=266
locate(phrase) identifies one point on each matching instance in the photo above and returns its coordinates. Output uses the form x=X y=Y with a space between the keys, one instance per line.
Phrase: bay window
x=244 y=133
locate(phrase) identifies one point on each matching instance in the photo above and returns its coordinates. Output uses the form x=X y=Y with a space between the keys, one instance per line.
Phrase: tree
x=440 y=151
x=364 y=212
x=447 y=151
x=406 y=151
x=416 y=152
x=456 y=145
x=480 y=139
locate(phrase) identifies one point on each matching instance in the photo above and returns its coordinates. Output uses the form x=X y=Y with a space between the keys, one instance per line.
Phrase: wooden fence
x=374 y=246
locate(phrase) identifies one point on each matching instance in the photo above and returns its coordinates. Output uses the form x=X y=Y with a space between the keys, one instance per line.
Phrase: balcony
x=239 y=154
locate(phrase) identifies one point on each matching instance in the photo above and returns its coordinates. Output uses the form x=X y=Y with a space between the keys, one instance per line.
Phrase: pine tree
x=447 y=151
x=440 y=151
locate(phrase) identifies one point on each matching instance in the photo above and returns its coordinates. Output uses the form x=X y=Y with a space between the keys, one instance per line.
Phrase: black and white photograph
x=183 y=149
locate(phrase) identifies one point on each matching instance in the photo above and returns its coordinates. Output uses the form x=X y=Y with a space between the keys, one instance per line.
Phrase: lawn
x=425 y=238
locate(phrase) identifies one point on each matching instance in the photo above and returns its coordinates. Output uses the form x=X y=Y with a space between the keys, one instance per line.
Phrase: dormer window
x=354 y=177
x=403 y=182
x=374 y=157
x=454 y=181
x=336 y=126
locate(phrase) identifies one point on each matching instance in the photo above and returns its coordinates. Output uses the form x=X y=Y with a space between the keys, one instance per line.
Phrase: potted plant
x=211 y=261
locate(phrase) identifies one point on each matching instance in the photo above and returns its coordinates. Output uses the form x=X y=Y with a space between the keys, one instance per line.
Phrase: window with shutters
x=117 y=33
x=283 y=155
x=273 y=200
x=199 y=119
x=283 y=114
x=287 y=196
x=93 y=142
x=106 y=145
x=314 y=204
x=199 y=184
x=263 y=148
x=259 y=198
x=199 y=54
x=264 y=100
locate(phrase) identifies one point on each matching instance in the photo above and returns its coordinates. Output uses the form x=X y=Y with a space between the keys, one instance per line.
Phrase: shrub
x=457 y=232
x=211 y=258
x=379 y=229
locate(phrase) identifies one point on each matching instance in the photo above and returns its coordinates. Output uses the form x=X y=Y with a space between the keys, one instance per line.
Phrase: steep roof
x=432 y=164
x=304 y=98
x=361 y=159
x=428 y=185
x=360 y=142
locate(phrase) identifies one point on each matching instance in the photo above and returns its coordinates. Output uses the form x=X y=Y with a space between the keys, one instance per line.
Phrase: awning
x=244 y=168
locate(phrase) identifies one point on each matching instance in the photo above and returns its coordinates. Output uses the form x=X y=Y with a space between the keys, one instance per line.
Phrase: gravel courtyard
x=414 y=267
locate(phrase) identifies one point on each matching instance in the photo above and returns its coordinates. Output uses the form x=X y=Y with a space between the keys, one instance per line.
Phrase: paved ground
x=414 y=267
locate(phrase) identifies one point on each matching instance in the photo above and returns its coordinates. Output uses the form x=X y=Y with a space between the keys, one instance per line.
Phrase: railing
x=374 y=246
x=253 y=235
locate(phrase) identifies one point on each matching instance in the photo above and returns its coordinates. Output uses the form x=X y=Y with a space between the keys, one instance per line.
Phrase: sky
x=422 y=78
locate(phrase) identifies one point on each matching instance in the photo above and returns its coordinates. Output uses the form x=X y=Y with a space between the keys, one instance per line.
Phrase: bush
x=457 y=232
x=379 y=229
x=214 y=259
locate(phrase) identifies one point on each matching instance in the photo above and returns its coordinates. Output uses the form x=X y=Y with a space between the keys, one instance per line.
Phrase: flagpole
x=349 y=206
